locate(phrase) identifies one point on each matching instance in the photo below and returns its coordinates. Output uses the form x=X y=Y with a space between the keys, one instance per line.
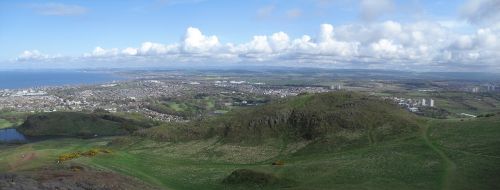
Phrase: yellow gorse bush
x=90 y=153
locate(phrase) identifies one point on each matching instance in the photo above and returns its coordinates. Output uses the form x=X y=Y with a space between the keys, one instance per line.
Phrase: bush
x=278 y=163
x=90 y=153
x=246 y=176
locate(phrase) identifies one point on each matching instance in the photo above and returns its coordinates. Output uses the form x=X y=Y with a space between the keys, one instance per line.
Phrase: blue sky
x=51 y=32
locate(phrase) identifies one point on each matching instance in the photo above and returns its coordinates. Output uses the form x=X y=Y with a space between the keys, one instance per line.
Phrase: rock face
x=66 y=180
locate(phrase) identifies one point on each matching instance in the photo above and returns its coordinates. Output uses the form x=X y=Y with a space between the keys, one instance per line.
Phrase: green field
x=445 y=154
x=11 y=119
x=5 y=124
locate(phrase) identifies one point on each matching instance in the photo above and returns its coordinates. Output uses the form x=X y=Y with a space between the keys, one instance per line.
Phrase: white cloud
x=58 y=9
x=196 y=42
x=326 y=33
x=387 y=44
x=30 y=55
x=130 y=51
x=150 y=48
x=101 y=52
x=481 y=11
x=385 y=48
x=280 y=41
x=259 y=44
x=327 y=44
x=36 y=56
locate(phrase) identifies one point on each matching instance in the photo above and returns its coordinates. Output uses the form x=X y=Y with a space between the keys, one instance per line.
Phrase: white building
x=423 y=102
x=413 y=109
x=475 y=90
x=432 y=102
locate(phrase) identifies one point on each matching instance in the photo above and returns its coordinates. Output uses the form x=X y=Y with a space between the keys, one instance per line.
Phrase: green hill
x=369 y=144
x=345 y=116
x=310 y=117
x=73 y=124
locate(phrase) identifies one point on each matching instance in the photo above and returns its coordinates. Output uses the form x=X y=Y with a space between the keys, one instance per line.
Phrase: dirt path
x=450 y=166
x=21 y=160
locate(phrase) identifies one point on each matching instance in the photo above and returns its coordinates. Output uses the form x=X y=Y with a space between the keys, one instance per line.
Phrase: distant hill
x=313 y=116
x=345 y=116
x=76 y=124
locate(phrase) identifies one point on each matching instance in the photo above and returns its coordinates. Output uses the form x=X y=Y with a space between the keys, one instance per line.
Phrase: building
x=431 y=103
x=491 y=87
x=475 y=90
x=336 y=87
x=423 y=102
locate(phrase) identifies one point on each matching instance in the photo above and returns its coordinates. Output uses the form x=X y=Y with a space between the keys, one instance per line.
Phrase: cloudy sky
x=420 y=35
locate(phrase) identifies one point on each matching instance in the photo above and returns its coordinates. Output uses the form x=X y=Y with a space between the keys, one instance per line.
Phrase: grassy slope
x=396 y=164
x=318 y=116
x=474 y=148
x=11 y=119
x=404 y=163
x=445 y=154
x=5 y=124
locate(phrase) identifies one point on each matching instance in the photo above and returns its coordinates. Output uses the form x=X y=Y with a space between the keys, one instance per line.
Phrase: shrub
x=90 y=153
x=278 y=163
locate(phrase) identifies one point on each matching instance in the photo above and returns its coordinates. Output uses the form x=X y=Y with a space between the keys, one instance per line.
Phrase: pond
x=11 y=135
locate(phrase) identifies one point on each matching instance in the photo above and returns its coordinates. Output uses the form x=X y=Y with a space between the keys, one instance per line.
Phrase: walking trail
x=449 y=166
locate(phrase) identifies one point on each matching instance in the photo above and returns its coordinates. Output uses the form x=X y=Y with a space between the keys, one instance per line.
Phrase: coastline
x=29 y=79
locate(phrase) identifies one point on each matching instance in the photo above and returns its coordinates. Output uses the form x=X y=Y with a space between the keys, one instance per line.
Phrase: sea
x=33 y=79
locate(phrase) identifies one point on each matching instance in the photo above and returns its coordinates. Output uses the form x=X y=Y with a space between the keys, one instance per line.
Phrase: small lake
x=11 y=135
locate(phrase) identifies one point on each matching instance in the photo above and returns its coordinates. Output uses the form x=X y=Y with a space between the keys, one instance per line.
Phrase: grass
x=11 y=119
x=5 y=124
x=402 y=164
x=445 y=154
x=474 y=147
x=76 y=124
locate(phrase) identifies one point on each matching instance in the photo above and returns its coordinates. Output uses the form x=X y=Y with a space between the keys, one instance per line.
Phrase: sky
x=419 y=35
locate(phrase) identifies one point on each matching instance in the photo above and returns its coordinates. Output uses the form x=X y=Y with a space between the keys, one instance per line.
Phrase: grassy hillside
x=314 y=116
x=78 y=124
x=326 y=141
x=446 y=154
x=331 y=119
x=11 y=119
x=471 y=149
